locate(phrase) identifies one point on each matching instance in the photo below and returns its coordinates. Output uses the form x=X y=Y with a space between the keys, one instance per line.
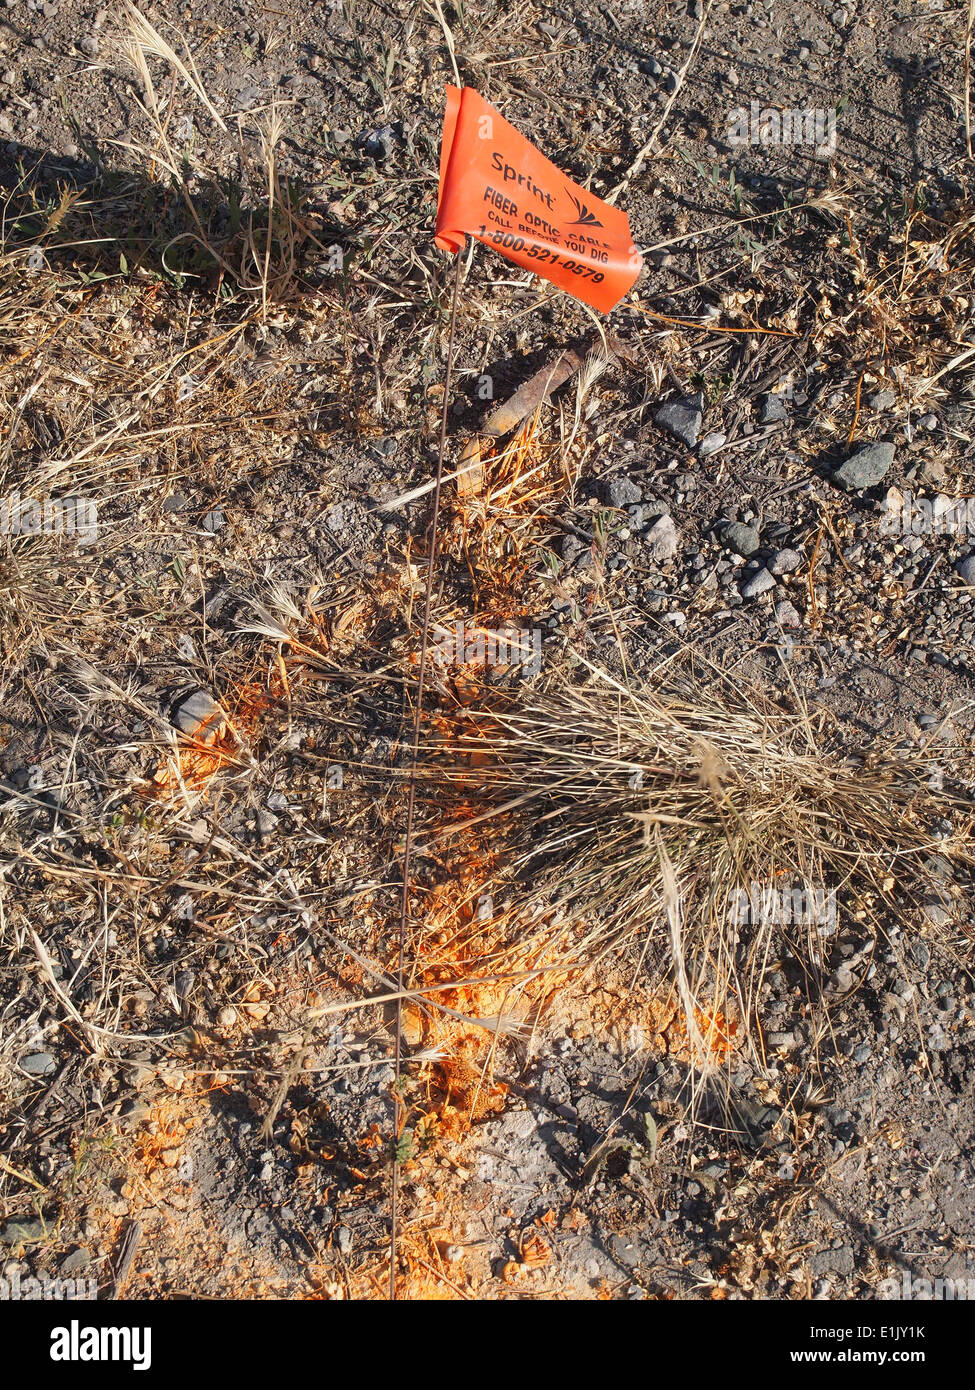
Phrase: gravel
x=759 y=583
x=866 y=468
x=740 y=539
x=196 y=713
x=40 y=1064
x=662 y=538
x=965 y=569
x=784 y=561
x=682 y=418
x=772 y=410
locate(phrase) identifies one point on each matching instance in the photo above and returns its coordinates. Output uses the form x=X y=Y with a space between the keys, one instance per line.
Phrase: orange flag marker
x=496 y=186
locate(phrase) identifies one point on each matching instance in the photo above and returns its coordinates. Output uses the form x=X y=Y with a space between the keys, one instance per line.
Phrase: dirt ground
x=223 y=327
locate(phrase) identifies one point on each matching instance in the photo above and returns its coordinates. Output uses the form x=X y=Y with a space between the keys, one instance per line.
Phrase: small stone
x=343 y=1239
x=25 y=1231
x=928 y=422
x=662 y=538
x=40 y=1064
x=785 y=561
x=740 y=539
x=620 y=492
x=711 y=443
x=247 y=98
x=772 y=409
x=378 y=144
x=867 y=467
x=682 y=418
x=786 y=614
x=214 y=521
x=965 y=569
x=759 y=583
x=199 y=715
x=227 y=1016
x=882 y=400
x=77 y=1261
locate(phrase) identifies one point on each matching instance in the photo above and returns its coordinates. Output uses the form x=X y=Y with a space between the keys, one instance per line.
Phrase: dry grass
x=638 y=812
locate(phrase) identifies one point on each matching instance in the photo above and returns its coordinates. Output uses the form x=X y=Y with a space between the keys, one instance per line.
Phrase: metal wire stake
x=411 y=796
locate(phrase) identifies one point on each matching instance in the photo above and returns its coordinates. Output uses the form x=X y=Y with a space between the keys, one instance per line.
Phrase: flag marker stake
x=411 y=795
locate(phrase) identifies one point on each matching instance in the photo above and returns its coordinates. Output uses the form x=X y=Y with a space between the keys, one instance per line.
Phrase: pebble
x=740 y=539
x=214 y=520
x=785 y=561
x=682 y=418
x=786 y=614
x=77 y=1261
x=759 y=583
x=620 y=492
x=247 y=98
x=199 y=715
x=867 y=467
x=40 y=1064
x=711 y=443
x=378 y=144
x=965 y=569
x=772 y=409
x=24 y=1231
x=343 y=1239
x=662 y=538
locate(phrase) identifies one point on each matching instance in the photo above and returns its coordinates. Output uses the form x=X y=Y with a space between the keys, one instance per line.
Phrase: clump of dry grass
x=643 y=811
x=261 y=247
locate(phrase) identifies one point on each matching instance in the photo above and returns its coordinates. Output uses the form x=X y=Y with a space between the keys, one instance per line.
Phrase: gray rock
x=772 y=409
x=711 y=443
x=378 y=144
x=77 y=1261
x=965 y=569
x=786 y=614
x=343 y=1239
x=882 y=400
x=247 y=98
x=25 y=1231
x=785 y=561
x=214 y=520
x=866 y=468
x=40 y=1064
x=739 y=538
x=662 y=538
x=682 y=418
x=199 y=715
x=758 y=583
x=839 y=1261
x=620 y=492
